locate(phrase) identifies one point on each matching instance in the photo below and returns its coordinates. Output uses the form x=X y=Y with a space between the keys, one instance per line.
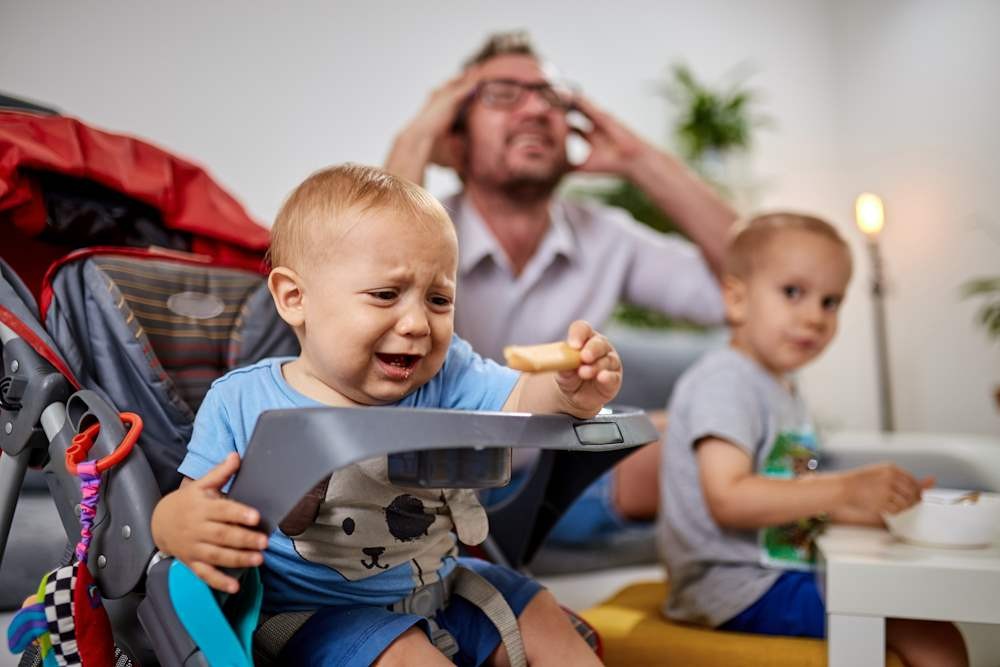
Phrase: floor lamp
x=870 y=217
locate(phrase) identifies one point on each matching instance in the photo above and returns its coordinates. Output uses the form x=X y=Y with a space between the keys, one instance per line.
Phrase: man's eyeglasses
x=510 y=93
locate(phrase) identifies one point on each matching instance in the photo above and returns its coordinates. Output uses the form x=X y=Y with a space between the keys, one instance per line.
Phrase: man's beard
x=534 y=184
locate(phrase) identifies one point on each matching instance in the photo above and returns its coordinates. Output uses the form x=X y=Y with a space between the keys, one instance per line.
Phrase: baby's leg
x=926 y=643
x=360 y=635
x=412 y=648
x=549 y=637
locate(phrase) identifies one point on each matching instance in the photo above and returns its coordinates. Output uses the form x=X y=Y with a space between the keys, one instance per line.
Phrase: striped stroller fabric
x=188 y=319
x=152 y=333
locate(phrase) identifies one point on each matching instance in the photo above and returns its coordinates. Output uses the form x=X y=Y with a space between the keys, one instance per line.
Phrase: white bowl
x=937 y=520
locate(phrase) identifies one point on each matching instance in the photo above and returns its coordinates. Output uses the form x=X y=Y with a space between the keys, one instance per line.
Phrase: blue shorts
x=792 y=606
x=358 y=634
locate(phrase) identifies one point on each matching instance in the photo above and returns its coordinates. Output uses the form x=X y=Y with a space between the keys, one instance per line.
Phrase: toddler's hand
x=883 y=487
x=205 y=530
x=599 y=376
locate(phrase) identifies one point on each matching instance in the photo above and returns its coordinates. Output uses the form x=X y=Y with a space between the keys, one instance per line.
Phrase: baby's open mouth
x=397 y=366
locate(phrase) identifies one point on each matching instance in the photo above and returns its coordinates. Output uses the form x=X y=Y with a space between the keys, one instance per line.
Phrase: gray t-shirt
x=715 y=573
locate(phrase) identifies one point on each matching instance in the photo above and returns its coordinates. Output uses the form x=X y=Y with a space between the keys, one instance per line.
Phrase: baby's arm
x=581 y=392
x=205 y=530
x=738 y=498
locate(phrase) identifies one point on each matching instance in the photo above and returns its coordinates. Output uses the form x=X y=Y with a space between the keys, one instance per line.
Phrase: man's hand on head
x=428 y=137
x=441 y=111
x=678 y=192
x=614 y=149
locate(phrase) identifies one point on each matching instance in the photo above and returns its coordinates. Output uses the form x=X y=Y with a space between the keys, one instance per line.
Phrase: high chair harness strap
x=477 y=590
x=469 y=584
x=425 y=601
x=277 y=630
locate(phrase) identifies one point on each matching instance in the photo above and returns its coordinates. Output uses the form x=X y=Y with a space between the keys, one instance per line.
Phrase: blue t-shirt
x=371 y=542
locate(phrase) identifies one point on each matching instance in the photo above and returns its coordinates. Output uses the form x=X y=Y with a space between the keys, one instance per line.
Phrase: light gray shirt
x=591 y=258
x=715 y=573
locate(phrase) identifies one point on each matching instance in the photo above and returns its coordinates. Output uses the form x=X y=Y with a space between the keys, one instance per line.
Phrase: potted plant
x=987 y=290
x=710 y=124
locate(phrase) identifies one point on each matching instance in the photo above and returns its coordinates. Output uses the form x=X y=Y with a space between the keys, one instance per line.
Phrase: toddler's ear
x=734 y=298
x=286 y=290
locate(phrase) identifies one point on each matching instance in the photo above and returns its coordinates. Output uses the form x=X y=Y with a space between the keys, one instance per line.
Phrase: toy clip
x=84 y=440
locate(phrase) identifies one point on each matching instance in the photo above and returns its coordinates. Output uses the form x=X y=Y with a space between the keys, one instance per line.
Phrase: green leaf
x=981 y=286
x=709 y=119
x=643 y=318
x=988 y=315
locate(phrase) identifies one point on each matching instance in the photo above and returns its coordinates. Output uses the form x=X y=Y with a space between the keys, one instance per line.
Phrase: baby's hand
x=883 y=487
x=599 y=376
x=205 y=530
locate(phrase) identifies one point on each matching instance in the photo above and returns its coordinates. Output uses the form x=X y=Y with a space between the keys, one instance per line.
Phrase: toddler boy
x=741 y=501
x=364 y=271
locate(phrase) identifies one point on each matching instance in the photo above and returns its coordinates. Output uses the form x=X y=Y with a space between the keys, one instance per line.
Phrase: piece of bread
x=538 y=358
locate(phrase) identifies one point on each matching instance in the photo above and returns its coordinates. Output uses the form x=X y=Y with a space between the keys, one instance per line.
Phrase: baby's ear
x=734 y=298
x=286 y=290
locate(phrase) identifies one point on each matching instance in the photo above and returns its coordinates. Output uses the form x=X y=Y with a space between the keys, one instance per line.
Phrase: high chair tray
x=291 y=450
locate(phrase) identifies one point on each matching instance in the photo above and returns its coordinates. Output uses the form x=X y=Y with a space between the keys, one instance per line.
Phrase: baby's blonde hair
x=748 y=238
x=332 y=199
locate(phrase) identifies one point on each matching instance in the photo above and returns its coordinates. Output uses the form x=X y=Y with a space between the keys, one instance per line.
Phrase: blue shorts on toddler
x=792 y=606
x=357 y=634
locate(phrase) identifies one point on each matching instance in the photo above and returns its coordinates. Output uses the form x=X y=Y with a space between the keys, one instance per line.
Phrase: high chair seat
x=634 y=633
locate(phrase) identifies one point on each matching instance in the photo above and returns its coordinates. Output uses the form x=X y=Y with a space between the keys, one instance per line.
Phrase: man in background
x=532 y=261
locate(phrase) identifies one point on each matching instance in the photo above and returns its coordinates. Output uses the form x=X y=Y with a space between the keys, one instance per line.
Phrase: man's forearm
x=687 y=200
x=409 y=155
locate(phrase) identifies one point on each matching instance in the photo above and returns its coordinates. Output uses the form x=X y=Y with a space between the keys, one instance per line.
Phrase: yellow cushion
x=634 y=633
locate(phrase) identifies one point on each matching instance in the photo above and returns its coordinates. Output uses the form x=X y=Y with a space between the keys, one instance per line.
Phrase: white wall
x=917 y=89
x=263 y=94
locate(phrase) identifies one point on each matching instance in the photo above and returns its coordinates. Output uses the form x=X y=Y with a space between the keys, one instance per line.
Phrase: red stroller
x=107 y=244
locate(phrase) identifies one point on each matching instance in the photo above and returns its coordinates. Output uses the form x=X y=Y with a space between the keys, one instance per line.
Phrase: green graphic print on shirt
x=790 y=546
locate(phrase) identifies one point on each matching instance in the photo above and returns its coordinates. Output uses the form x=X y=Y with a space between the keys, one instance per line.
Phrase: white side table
x=866 y=576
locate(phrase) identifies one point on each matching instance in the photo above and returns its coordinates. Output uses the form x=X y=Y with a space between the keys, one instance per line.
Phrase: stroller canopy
x=131 y=272
x=65 y=185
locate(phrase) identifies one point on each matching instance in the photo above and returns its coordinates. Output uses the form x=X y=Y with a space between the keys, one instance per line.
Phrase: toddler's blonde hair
x=748 y=238
x=325 y=206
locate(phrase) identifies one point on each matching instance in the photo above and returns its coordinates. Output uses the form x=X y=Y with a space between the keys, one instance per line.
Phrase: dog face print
x=360 y=524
